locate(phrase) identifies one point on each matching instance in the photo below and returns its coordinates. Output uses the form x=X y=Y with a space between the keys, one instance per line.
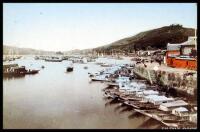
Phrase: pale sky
x=67 y=26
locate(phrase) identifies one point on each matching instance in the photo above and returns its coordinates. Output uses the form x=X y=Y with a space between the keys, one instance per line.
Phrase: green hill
x=152 y=39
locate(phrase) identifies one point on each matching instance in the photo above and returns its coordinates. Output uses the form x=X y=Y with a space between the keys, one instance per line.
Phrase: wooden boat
x=105 y=65
x=69 y=69
x=85 y=67
x=32 y=71
x=130 y=97
x=131 y=103
x=53 y=59
x=14 y=72
x=100 y=78
x=36 y=58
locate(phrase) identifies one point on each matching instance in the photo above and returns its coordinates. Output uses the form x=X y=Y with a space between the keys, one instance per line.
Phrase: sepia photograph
x=99 y=66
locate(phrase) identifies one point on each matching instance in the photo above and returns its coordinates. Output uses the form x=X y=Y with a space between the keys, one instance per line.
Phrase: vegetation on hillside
x=152 y=39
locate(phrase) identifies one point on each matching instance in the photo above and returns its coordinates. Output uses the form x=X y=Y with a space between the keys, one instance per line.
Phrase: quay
x=138 y=94
x=180 y=79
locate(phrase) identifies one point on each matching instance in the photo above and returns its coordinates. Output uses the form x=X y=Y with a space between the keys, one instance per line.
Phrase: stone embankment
x=180 y=79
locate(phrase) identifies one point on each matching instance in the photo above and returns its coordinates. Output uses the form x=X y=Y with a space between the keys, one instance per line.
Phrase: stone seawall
x=176 y=80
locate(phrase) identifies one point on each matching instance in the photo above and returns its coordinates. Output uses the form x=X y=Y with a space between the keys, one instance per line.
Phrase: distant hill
x=8 y=50
x=152 y=39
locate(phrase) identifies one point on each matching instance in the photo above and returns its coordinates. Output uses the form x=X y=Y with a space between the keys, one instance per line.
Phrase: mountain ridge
x=153 y=39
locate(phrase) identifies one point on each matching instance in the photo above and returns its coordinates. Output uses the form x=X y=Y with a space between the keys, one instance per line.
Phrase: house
x=182 y=55
x=172 y=105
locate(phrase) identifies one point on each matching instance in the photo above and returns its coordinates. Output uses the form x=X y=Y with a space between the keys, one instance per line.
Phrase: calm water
x=56 y=99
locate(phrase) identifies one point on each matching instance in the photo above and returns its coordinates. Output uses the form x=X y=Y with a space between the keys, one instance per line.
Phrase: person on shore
x=159 y=60
x=144 y=63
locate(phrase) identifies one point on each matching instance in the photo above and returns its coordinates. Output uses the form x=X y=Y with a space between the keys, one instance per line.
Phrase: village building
x=182 y=55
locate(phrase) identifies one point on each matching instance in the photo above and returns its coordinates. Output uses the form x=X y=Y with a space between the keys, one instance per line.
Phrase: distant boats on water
x=53 y=59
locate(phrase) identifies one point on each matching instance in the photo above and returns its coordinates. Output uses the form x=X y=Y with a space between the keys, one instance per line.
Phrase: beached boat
x=130 y=97
x=100 y=78
x=110 y=95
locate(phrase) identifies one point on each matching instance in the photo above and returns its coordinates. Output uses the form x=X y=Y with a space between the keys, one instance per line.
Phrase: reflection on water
x=125 y=110
x=117 y=108
x=149 y=122
x=11 y=78
x=56 y=99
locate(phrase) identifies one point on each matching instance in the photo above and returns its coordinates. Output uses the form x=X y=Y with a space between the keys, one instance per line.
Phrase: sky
x=68 y=26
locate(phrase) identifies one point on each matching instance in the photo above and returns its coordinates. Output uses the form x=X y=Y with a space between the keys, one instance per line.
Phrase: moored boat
x=53 y=59
x=32 y=71
x=14 y=70
x=70 y=68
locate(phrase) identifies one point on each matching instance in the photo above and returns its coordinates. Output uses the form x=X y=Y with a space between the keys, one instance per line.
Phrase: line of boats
x=122 y=86
x=81 y=60
x=11 y=58
x=14 y=70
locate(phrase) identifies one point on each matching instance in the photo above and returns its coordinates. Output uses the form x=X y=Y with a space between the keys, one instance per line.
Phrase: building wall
x=186 y=50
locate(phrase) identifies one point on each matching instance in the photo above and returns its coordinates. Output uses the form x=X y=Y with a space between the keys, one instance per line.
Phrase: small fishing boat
x=106 y=65
x=32 y=71
x=53 y=59
x=36 y=58
x=100 y=78
x=85 y=67
x=69 y=69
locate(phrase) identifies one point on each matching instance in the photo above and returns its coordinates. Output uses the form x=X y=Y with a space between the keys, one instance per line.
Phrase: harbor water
x=56 y=99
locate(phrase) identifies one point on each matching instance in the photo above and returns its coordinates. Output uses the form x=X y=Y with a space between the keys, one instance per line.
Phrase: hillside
x=152 y=39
